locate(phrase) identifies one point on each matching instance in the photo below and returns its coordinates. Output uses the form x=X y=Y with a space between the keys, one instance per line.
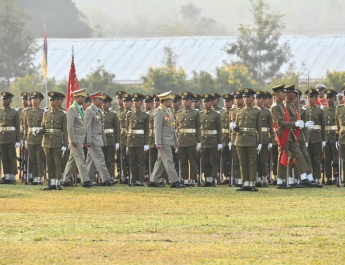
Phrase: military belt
x=264 y=129
x=244 y=129
x=342 y=128
x=209 y=132
x=108 y=130
x=30 y=129
x=151 y=131
x=187 y=130
x=7 y=128
x=316 y=127
x=53 y=131
x=331 y=128
x=130 y=131
x=225 y=130
x=123 y=130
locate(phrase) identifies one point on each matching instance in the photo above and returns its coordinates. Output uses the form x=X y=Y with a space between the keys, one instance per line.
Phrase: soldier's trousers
x=137 y=162
x=342 y=153
x=164 y=163
x=54 y=162
x=125 y=162
x=274 y=154
x=294 y=149
x=9 y=158
x=314 y=150
x=262 y=161
x=236 y=163
x=65 y=159
x=331 y=159
x=188 y=162
x=36 y=155
x=109 y=155
x=210 y=161
x=305 y=154
x=248 y=162
x=76 y=159
x=95 y=161
x=153 y=156
x=226 y=161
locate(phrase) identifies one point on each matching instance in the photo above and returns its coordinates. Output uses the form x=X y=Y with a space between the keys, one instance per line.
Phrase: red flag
x=72 y=84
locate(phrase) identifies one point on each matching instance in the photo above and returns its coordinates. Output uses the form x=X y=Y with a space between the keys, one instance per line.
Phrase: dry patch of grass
x=154 y=226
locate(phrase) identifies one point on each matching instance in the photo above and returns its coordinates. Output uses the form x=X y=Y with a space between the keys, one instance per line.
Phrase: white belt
x=123 y=130
x=108 y=130
x=225 y=130
x=30 y=129
x=331 y=128
x=264 y=129
x=53 y=131
x=244 y=129
x=208 y=132
x=316 y=127
x=136 y=131
x=187 y=131
x=151 y=131
x=7 y=128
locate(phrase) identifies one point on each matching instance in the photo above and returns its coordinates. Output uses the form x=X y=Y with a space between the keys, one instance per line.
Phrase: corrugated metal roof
x=129 y=59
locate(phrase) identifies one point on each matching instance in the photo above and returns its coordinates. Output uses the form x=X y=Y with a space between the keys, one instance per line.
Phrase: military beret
x=25 y=95
x=187 y=95
x=320 y=87
x=279 y=88
x=5 y=94
x=197 y=97
x=207 y=97
x=227 y=97
x=148 y=98
x=54 y=95
x=120 y=93
x=238 y=94
x=216 y=95
x=312 y=92
x=107 y=98
x=330 y=92
x=36 y=94
x=98 y=94
x=127 y=97
x=248 y=92
x=138 y=96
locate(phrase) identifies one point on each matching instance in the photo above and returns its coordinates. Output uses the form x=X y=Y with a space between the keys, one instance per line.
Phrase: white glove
x=117 y=146
x=146 y=148
x=269 y=145
x=232 y=125
x=259 y=148
x=127 y=150
x=306 y=145
x=337 y=145
x=309 y=124
x=17 y=144
x=63 y=149
x=176 y=150
x=299 y=124
x=35 y=130
x=323 y=144
x=230 y=145
x=220 y=147
x=26 y=144
x=69 y=146
x=198 y=146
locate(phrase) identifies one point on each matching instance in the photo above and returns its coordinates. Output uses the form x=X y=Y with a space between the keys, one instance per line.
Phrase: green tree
x=258 y=47
x=335 y=79
x=202 y=82
x=17 y=47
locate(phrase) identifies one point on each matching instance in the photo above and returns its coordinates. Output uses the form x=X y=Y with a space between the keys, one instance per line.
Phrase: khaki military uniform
x=123 y=141
x=188 y=130
x=153 y=150
x=211 y=136
x=111 y=130
x=340 y=118
x=226 y=157
x=235 y=160
x=137 y=137
x=54 y=128
x=249 y=136
x=315 y=137
x=33 y=118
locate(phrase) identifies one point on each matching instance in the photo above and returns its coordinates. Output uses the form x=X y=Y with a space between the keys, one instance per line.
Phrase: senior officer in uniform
x=55 y=140
x=189 y=142
x=76 y=127
x=137 y=140
x=226 y=158
x=248 y=143
x=111 y=130
x=330 y=151
x=95 y=140
x=316 y=132
x=165 y=139
x=9 y=138
x=33 y=142
x=211 y=140
x=340 y=118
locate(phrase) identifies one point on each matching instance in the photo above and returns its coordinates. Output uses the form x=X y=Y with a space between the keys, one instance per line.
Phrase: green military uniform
x=111 y=130
x=54 y=128
x=315 y=135
x=188 y=131
x=330 y=151
x=211 y=140
x=9 y=139
x=33 y=119
x=249 y=136
x=216 y=96
x=340 y=118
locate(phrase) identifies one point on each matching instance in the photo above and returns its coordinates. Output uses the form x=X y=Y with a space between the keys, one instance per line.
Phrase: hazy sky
x=302 y=17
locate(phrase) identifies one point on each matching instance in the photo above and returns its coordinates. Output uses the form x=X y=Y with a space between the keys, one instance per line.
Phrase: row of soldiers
x=230 y=145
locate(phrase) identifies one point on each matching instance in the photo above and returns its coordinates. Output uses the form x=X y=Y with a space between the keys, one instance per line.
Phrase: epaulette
x=341 y=105
x=72 y=106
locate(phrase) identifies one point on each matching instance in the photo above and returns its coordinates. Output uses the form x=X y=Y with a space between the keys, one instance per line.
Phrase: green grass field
x=123 y=225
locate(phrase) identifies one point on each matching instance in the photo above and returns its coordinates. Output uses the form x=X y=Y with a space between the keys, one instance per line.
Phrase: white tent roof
x=129 y=59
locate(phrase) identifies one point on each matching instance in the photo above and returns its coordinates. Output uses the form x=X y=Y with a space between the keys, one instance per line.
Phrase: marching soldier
x=33 y=142
x=197 y=102
x=111 y=130
x=148 y=107
x=55 y=140
x=137 y=139
x=267 y=136
x=330 y=150
x=248 y=124
x=189 y=142
x=95 y=140
x=119 y=101
x=224 y=117
x=9 y=138
x=211 y=140
x=216 y=98
x=316 y=132
x=165 y=139
x=121 y=114
x=148 y=103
